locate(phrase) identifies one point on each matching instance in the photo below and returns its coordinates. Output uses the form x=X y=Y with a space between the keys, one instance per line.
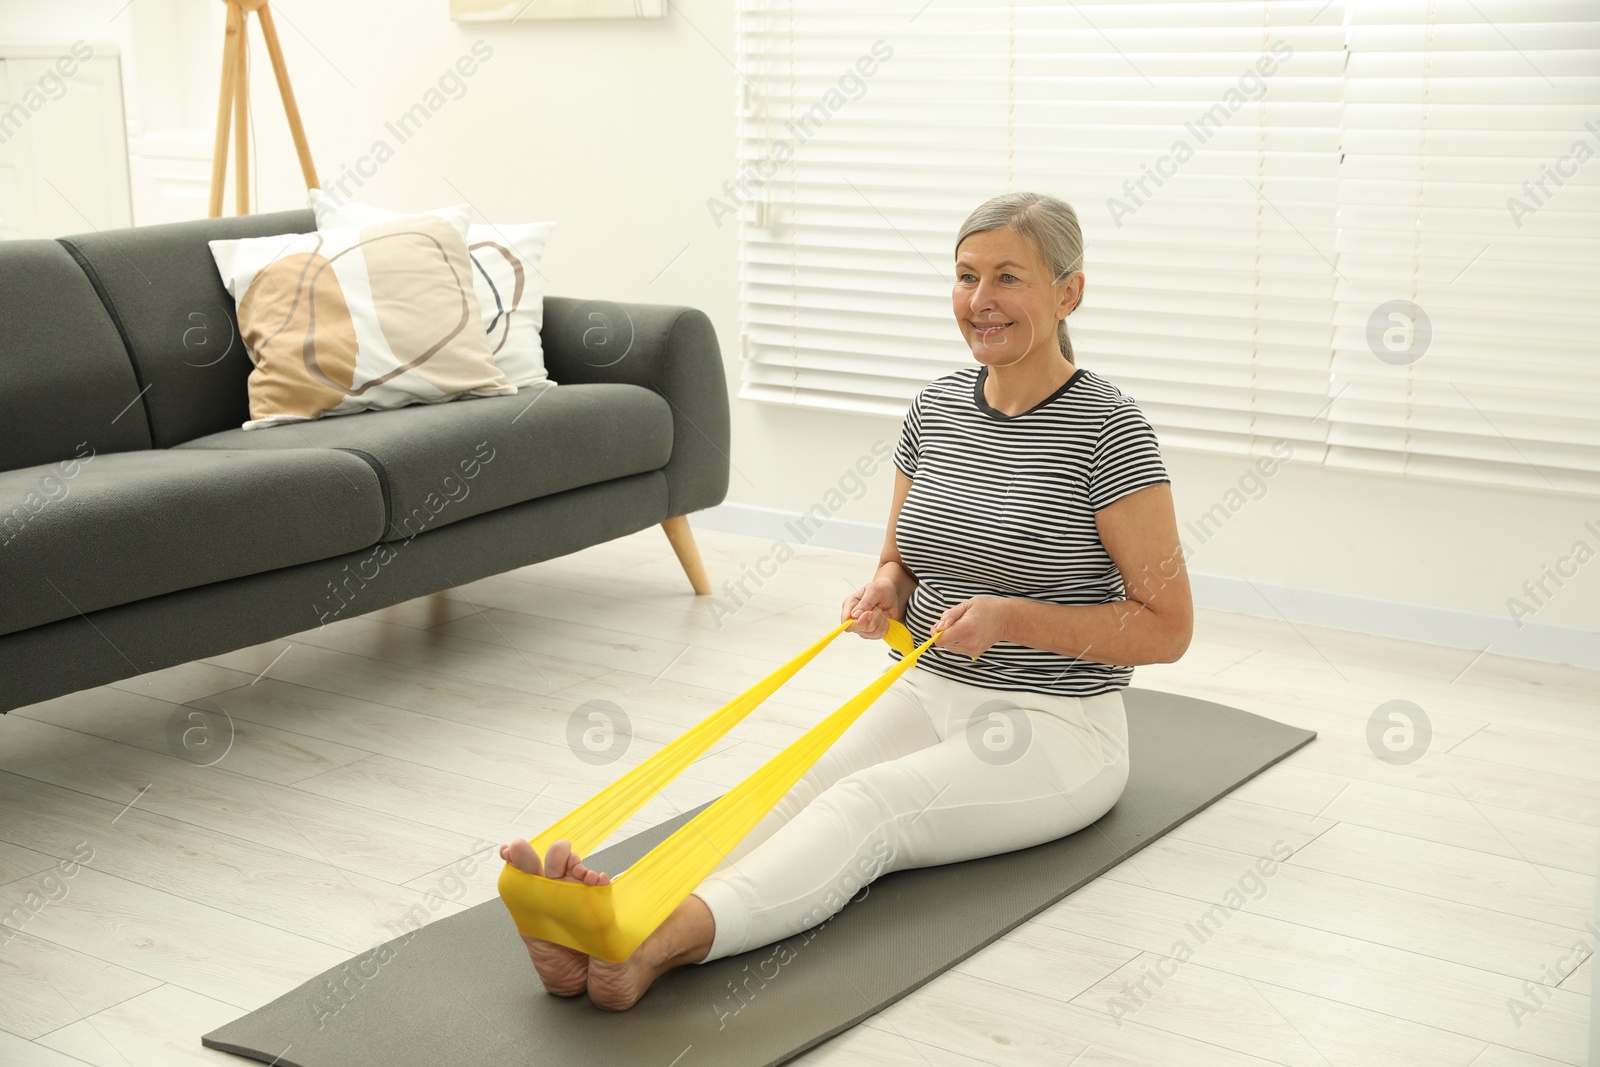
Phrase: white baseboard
x=1449 y=627
x=1544 y=641
x=771 y=524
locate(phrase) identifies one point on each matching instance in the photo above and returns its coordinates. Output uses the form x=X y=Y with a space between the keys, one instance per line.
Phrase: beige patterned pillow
x=358 y=319
x=506 y=277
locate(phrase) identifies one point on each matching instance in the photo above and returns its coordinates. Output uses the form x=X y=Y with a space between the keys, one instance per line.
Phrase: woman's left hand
x=971 y=626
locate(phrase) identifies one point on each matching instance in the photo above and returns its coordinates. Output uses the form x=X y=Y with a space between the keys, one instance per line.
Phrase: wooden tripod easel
x=234 y=99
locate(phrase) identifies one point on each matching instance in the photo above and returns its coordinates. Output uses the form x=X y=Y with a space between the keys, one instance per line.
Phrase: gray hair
x=1050 y=225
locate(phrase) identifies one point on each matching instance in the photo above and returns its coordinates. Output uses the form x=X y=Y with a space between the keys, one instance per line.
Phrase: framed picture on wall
x=526 y=10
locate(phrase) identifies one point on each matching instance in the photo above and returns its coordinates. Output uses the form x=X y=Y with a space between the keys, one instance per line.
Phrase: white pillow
x=358 y=318
x=505 y=275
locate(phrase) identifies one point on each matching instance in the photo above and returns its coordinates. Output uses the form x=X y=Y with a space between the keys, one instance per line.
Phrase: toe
x=520 y=854
x=588 y=875
x=558 y=860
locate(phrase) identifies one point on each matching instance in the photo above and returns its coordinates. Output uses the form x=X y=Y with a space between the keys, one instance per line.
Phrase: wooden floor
x=371 y=759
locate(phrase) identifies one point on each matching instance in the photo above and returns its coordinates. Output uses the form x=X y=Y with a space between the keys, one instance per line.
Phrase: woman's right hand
x=872 y=606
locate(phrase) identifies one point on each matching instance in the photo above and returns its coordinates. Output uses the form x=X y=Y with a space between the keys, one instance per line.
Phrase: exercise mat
x=462 y=991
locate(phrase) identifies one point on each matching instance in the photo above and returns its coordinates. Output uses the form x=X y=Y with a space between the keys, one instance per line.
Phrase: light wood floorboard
x=370 y=766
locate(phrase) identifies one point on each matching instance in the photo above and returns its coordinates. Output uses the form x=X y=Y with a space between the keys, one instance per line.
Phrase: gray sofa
x=141 y=528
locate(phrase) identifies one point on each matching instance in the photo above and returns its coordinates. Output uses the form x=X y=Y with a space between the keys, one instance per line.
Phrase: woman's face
x=1003 y=298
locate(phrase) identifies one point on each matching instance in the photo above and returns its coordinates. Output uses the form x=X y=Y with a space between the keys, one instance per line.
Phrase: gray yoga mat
x=461 y=990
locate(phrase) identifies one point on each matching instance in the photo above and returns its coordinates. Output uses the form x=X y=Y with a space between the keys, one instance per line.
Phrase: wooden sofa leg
x=682 y=539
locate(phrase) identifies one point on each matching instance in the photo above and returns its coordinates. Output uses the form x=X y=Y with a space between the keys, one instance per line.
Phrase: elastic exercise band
x=610 y=921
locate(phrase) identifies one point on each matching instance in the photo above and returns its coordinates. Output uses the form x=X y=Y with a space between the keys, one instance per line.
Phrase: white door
x=63 y=141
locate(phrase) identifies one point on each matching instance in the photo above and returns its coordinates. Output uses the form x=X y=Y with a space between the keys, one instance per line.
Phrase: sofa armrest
x=668 y=348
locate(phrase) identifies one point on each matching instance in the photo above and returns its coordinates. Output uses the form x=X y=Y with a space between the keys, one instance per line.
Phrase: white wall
x=620 y=131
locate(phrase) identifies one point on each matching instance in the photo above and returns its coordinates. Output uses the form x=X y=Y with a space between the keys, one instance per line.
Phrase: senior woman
x=1032 y=529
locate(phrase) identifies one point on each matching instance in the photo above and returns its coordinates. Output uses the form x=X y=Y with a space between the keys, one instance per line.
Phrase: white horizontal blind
x=1198 y=143
x=845 y=257
x=1209 y=295
x=1224 y=296
x=1450 y=107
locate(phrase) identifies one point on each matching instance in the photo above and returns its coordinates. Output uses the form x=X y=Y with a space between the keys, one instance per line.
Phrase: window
x=1300 y=219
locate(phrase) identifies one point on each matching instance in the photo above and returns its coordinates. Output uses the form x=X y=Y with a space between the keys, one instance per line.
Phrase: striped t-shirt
x=1004 y=505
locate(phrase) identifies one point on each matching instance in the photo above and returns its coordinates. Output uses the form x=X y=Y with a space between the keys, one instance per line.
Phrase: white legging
x=935 y=771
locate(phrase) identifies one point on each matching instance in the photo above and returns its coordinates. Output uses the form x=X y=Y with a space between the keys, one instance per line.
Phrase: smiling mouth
x=989 y=329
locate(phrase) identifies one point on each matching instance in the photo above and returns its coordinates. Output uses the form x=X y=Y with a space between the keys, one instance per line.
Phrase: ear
x=1074 y=293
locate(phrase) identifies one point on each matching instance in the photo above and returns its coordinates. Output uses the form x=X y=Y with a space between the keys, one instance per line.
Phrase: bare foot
x=684 y=938
x=564 y=971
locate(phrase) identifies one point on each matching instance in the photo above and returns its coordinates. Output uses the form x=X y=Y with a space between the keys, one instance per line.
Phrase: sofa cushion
x=110 y=529
x=441 y=463
x=176 y=318
x=66 y=386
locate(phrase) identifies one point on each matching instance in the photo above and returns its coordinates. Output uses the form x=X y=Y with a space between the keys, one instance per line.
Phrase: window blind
x=1465 y=300
x=1248 y=177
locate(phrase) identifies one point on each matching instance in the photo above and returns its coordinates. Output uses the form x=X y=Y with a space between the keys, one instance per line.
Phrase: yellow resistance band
x=610 y=921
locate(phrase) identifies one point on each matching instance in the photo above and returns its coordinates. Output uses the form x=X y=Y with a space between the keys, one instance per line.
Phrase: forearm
x=1123 y=632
